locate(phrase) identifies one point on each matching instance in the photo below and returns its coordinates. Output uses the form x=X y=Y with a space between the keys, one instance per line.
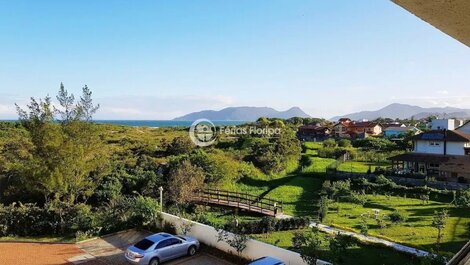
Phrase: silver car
x=161 y=247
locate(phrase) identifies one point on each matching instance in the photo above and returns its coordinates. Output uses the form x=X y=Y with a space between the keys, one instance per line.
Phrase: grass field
x=361 y=254
x=417 y=230
x=299 y=193
x=360 y=167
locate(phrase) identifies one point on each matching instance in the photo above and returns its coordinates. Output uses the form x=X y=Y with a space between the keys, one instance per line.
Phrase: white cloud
x=443 y=92
x=7 y=111
x=158 y=107
x=454 y=101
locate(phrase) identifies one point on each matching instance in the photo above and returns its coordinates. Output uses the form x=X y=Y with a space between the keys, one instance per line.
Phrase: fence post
x=238 y=200
x=249 y=202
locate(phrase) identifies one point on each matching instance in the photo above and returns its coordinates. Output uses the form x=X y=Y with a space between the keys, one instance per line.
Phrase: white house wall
x=441 y=124
x=425 y=147
x=453 y=148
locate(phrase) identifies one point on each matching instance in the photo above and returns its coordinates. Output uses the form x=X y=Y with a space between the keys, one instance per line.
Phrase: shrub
x=462 y=199
x=364 y=227
x=339 y=246
x=356 y=198
x=32 y=220
x=377 y=144
x=169 y=228
x=344 y=143
x=329 y=143
x=180 y=145
x=382 y=180
x=331 y=152
x=269 y=224
x=323 y=206
x=397 y=217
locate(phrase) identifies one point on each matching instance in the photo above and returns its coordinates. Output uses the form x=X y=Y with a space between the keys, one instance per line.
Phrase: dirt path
x=37 y=253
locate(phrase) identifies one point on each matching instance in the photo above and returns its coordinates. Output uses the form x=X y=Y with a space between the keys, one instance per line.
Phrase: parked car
x=161 y=247
x=267 y=261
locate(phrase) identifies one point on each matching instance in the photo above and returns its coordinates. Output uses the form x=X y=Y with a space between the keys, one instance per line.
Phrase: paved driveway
x=110 y=250
x=199 y=259
x=102 y=251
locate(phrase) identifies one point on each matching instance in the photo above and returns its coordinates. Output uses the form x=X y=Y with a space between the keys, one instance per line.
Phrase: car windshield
x=144 y=244
x=180 y=237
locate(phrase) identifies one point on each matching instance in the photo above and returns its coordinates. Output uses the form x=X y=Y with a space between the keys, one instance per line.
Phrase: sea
x=164 y=123
x=159 y=123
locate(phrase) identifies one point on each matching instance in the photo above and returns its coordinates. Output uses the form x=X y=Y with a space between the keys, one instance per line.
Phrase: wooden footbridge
x=238 y=200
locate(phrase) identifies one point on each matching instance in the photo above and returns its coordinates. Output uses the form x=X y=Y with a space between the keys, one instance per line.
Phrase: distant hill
x=243 y=114
x=404 y=111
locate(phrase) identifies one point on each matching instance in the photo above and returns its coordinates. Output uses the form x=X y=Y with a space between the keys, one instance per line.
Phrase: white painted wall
x=456 y=148
x=426 y=147
x=453 y=148
x=441 y=124
x=254 y=250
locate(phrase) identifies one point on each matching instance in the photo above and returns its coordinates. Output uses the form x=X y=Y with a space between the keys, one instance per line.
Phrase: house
x=313 y=132
x=443 y=154
x=392 y=124
x=364 y=129
x=345 y=128
x=445 y=124
x=442 y=142
x=398 y=132
x=341 y=128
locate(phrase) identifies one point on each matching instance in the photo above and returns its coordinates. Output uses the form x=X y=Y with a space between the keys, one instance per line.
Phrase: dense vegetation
x=61 y=174
x=76 y=176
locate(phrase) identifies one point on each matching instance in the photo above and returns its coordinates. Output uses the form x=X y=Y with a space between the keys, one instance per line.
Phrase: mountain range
x=405 y=111
x=394 y=111
x=243 y=114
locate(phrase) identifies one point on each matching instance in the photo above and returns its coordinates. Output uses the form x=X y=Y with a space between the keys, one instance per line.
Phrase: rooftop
x=443 y=135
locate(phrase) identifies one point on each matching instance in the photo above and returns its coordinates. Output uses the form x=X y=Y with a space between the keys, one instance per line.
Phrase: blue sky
x=162 y=59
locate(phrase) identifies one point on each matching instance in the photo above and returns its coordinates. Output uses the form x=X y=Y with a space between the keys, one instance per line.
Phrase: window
x=434 y=143
x=163 y=243
x=144 y=244
x=168 y=242
x=174 y=241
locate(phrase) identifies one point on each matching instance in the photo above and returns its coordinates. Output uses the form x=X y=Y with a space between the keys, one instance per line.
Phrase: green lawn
x=417 y=230
x=298 y=195
x=299 y=192
x=362 y=254
x=360 y=167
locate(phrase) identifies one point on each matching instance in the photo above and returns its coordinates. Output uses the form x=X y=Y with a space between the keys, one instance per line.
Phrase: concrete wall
x=255 y=249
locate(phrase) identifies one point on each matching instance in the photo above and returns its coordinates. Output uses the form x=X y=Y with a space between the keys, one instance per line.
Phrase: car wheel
x=192 y=251
x=154 y=261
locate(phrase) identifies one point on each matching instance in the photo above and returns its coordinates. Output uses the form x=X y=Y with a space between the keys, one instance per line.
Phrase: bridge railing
x=240 y=200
